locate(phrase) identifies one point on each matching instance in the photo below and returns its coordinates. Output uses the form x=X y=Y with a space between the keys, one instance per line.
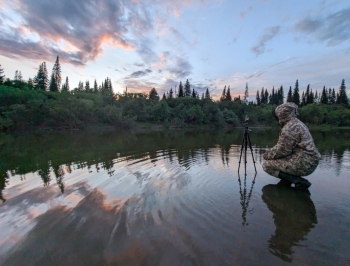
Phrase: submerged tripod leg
x=251 y=150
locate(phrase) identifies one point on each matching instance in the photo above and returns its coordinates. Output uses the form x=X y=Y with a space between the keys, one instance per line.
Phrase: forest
x=44 y=103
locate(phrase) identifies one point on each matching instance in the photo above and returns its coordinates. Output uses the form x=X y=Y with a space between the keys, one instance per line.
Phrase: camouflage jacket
x=295 y=137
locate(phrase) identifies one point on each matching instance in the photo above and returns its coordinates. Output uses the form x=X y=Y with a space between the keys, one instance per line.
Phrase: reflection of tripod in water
x=244 y=200
x=245 y=143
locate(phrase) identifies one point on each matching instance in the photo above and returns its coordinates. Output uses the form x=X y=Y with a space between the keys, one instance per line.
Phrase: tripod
x=245 y=143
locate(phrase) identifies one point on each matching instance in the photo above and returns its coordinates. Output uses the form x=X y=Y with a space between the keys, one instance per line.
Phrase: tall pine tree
x=55 y=81
x=258 y=101
x=2 y=76
x=290 y=95
x=41 y=79
x=342 y=96
x=296 y=95
x=228 y=94
x=207 y=94
x=187 y=89
x=181 y=91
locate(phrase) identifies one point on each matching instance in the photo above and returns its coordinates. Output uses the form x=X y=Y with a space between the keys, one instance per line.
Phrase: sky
x=141 y=44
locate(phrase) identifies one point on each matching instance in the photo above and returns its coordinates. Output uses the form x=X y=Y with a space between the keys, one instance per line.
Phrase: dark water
x=167 y=198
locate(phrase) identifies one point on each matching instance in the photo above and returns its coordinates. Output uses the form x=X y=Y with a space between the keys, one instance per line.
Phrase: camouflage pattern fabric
x=295 y=152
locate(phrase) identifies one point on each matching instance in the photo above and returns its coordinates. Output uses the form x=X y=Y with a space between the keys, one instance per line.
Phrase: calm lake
x=168 y=198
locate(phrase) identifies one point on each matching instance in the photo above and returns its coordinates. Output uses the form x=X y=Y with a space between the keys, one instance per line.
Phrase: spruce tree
x=187 y=89
x=228 y=94
x=290 y=95
x=258 y=102
x=342 y=98
x=280 y=95
x=246 y=94
x=181 y=92
x=207 y=94
x=95 y=87
x=329 y=95
x=266 y=97
x=87 y=86
x=41 y=78
x=296 y=95
x=194 y=94
x=55 y=81
x=164 y=98
x=333 y=99
x=223 y=95
x=153 y=95
x=303 y=99
x=2 y=76
x=30 y=84
x=171 y=94
x=324 y=97
x=307 y=95
x=262 y=95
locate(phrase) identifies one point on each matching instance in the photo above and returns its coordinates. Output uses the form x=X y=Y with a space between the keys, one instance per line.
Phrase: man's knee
x=270 y=169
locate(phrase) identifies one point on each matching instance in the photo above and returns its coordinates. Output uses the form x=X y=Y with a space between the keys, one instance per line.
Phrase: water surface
x=167 y=198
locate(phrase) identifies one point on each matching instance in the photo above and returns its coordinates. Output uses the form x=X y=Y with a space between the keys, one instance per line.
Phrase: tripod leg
x=251 y=150
x=240 y=157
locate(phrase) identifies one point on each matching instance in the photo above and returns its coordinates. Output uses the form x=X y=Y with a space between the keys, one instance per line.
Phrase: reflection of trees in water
x=45 y=153
x=294 y=214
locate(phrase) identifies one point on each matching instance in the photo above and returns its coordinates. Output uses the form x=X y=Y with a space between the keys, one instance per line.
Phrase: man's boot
x=300 y=183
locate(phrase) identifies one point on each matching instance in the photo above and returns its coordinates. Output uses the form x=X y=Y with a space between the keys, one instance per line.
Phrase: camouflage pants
x=293 y=164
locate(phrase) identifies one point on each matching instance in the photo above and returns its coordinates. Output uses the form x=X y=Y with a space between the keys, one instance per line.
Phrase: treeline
x=45 y=103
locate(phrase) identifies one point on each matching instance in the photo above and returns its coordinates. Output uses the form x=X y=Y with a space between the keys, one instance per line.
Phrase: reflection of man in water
x=295 y=153
x=294 y=215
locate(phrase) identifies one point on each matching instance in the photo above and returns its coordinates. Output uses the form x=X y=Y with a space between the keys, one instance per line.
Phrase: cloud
x=269 y=34
x=332 y=29
x=139 y=64
x=181 y=68
x=139 y=74
x=245 y=12
x=86 y=26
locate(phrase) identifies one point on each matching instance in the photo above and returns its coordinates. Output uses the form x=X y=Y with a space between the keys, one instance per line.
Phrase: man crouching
x=295 y=153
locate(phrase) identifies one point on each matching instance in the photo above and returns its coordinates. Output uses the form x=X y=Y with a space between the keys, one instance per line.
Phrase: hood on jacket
x=286 y=112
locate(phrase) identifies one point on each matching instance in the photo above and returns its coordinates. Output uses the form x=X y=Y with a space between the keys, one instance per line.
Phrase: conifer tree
x=228 y=94
x=333 y=98
x=303 y=99
x=65 y=86
x=2 y=76
x=87 y=86
x=290 y=95
x=329 y=95
x=258 y=102
x=266 y=97
x=342 y=96
x=262 y=96
x=194 y=94
x=280 y=95
x=187 y=89
x=95 y=87
x=171 y=94
x=223 y=95
x=81 y=86
x=307 y=95
x=324 y=96
x=181 y=92
x=41 y=79
x=164 y=98
x=246 y=94
x=55 y=81
x=153 y=95
x=207 y=94
x=30 y=83
x=296 y=95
